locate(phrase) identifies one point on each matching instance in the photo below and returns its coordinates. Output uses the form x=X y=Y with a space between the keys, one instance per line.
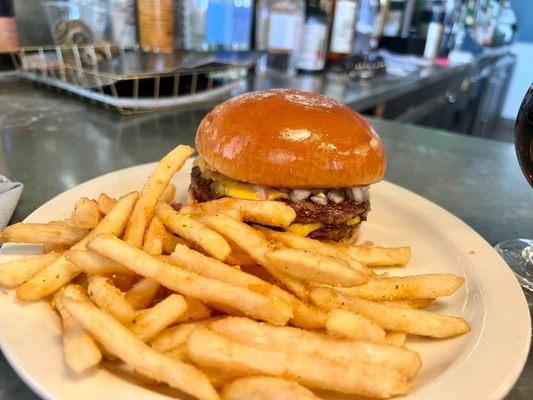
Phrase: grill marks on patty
x=333 y=216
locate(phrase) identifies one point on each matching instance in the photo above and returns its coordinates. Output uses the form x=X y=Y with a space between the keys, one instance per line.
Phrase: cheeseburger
x=303 y=149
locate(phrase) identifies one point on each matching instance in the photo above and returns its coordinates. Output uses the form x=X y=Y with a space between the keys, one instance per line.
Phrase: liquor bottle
x=8 y=27
x=122 y=20
x=219 y=24
x=156 y=24
x=242 y=24
x=367 y=27
x=342 y=30
x=190 y=25
x=311 y=54
x=505 y=28
x=452 y=16
x=278 y=28
x=434 y=34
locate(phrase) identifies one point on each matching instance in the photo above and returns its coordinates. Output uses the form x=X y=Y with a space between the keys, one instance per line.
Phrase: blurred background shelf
x=449 y=64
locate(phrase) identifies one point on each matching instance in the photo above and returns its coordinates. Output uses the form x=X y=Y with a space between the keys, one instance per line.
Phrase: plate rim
x=507 y=381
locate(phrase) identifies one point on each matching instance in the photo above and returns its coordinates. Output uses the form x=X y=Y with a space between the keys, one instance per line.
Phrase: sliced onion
x=258 y=188
x=320 y=198
x=299 y=194
x=359 y=194
x=336 y=196
x=262 y=194
x=260 y=191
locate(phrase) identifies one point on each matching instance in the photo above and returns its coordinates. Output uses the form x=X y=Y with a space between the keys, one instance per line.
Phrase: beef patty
x=333 y=215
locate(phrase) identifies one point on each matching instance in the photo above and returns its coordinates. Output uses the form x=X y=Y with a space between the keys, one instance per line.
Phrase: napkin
x=9 y=196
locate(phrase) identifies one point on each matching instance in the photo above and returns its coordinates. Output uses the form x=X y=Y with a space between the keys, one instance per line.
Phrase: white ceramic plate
x=483 y=364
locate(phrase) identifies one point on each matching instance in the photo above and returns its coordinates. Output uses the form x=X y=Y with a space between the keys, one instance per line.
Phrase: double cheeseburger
x=303 y=149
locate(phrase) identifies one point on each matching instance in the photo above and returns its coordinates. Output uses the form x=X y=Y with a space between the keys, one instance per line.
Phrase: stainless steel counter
x=52 y=142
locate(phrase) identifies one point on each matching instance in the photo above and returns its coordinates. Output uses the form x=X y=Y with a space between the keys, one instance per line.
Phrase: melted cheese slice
x=303 y=229
x=353 y=221
x=238 y=190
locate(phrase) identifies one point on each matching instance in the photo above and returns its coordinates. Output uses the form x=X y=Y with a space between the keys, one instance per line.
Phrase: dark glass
x=524 y=135
x=518 y=253
x=314 y=15
x=6 y=8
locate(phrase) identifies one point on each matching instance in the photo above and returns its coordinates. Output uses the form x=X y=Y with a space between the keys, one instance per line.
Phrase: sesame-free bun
x=290 y=139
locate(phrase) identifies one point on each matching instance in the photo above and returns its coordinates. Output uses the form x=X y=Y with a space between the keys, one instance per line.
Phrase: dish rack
x=127 y=78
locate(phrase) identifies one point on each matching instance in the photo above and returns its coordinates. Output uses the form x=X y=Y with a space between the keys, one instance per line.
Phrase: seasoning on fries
x=204 y=299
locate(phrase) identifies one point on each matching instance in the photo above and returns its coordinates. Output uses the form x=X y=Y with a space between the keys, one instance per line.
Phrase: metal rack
x=90 y=71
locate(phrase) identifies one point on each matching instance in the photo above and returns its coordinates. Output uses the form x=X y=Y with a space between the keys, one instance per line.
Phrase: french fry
x=118 y=340
x=123 y=282
x=80 y=351
x=152 y=192
x=258 y=334
x=191 y=284
x=105 y=203
x=170 y=241
x=409 y=303
x=247 y=238
x=314 y=267
x=266 y=388
x=307 y=315
x=94 y=263
x=142 y=293
x=15 y=273
x=239 y=258
x=86 y=214
x=154 y=237
x=196 y=262
x=110 y=299
x=345 y=324
x=209 y=349
x=177 y=336
x=264 y=212
x=212 y=242
x=61 y=271
x=169 y=193
x=54 y=248
x=406 y=287
x=378 y=256
x=304 y=315
x=218 y=377
x=294 y=285
x=418 y=322
x=61 y=235
x=295 y=241
x=195 y=310
x=396 y=338
x=255 y=245
x=148 y=323
x=173 y=342
x=259 y=272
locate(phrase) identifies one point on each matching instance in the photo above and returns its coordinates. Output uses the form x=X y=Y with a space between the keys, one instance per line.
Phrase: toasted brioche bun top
x=290 y=139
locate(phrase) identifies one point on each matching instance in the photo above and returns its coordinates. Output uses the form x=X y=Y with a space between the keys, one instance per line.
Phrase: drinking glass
x=518 y=253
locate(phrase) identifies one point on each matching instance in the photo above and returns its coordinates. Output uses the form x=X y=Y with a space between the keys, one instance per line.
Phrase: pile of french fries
x=211 y=302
